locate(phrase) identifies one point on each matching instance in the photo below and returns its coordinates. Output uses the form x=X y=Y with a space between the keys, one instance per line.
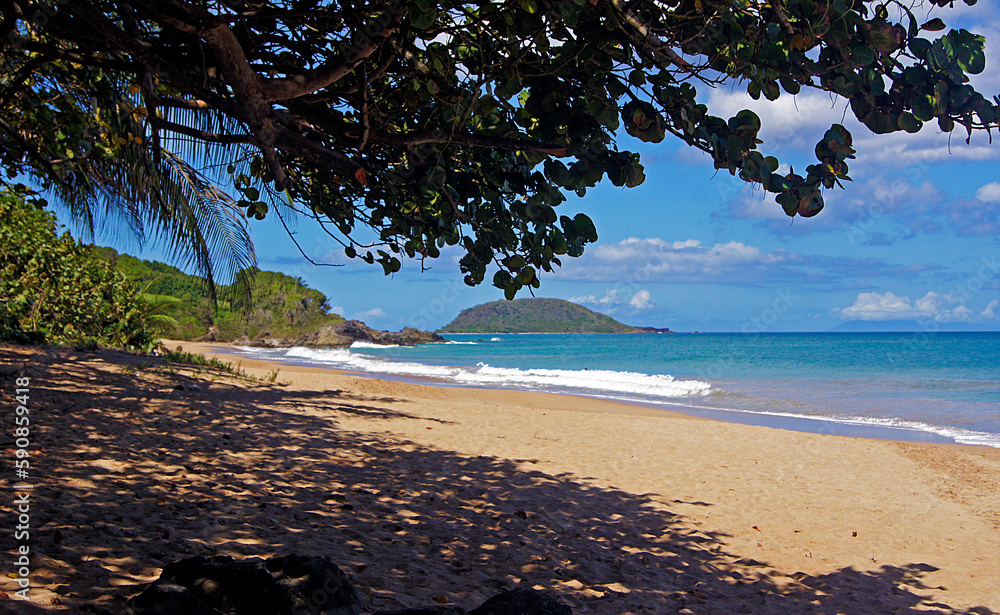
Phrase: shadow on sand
x=132 y=473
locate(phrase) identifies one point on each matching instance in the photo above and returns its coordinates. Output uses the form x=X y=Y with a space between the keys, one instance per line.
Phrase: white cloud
x=635 y=262
x=653 y=258
x=613 y=299
x=610 y=298
x=641 y=301
x=876 y=306
x=682 y=256
x=337 y=309
x=990 y=311
x=990 y=193
x=888 y=306
x=372 y=313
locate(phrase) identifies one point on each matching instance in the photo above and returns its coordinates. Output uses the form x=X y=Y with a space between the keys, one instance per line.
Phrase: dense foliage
x=53 y=290
x=533 y=316
x=281 y=304
x=442 y=123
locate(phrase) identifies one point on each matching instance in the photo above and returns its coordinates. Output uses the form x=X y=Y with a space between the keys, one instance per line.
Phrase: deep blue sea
x=934 y=387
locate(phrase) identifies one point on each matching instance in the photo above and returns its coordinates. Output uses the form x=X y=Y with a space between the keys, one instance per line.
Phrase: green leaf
x=862 y=56
x=974 y=63
x=791 y=86
x=788 y=203
x=423 y=19
x=585 y=227
x=919 y=47
x=934 y=25
x=923 y=107
x=909 y=123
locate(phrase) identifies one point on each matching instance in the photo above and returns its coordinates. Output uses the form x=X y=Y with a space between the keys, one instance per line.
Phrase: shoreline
x=799 y=423
x=429 y=495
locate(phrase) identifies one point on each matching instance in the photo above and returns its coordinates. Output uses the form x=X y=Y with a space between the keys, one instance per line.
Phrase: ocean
x=927 y=387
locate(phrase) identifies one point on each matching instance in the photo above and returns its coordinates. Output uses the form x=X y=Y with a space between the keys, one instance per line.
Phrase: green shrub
x=53 y=290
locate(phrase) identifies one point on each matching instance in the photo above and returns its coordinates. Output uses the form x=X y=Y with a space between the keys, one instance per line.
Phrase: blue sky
x=916 y=236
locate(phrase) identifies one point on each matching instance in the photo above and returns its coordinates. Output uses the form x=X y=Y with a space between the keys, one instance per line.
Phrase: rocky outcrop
x=211 y=336
x=346 y=333
x=293 y=584
x=653 y=330
x=523 y=601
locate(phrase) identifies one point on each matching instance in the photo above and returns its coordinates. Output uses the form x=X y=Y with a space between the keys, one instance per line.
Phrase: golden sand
x=429 y=495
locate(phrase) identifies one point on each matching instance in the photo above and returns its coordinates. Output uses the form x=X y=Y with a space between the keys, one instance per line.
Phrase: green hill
x=281 y=305
x=534 y=316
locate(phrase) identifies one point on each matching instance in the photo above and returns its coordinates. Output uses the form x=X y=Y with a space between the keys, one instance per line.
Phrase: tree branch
x=331 y=72
x=650 y=39
x=300 y=146
x=471 y=140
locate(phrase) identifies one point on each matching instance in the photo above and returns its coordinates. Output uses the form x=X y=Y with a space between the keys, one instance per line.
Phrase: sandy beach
x=431 y=495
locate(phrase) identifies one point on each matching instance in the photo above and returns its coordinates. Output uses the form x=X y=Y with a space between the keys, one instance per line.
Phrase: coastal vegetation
x=53 y=290
x=279 y=304
x=402 y=127
x=536 y=315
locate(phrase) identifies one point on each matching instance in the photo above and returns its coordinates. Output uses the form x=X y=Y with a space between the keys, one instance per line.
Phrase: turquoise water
x=921 y=386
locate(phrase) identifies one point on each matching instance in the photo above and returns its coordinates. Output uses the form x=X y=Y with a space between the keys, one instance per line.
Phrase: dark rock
x=211 y=336
x=225 y=586
x=427 y=610
x=315 y=584
x=346 y=333
x=522 y=601
x=652 y=330
x=266 y=340
x=165 y=598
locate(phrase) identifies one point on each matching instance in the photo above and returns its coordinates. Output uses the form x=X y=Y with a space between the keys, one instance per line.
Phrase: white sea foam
x=659 y=389
x=958 y=434
x=604 y=383
x=494 y=339
x=359 y=344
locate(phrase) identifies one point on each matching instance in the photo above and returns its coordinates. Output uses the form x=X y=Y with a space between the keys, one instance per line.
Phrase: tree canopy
x=441 y=123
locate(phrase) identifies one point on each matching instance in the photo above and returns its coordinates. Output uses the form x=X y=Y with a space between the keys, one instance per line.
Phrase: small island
x=537 y=315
